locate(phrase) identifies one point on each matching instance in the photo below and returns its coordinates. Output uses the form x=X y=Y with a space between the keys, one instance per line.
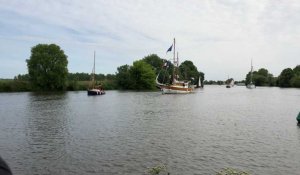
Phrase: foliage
x=47 y=71
x=262 y=77
x=139 y=76
x=295 y=81
x=231 y=171
x=14 y=86
x=155 y=61
x=160 y=169
x=296 y=70
x=80 y=81
x=123 y=77
x=24 y=77
x=188 y=71
x=47 y=67
x=142 y=76
x=284 y=79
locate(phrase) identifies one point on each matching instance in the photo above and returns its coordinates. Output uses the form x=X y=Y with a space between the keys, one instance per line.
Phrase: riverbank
x=10 y=85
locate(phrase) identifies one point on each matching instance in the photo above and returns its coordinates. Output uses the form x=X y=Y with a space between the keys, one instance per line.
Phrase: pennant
x=170 y=49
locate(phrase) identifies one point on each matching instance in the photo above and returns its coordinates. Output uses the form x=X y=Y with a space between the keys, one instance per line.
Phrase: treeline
x=141 y=75
x=75 y=81
x=287 y=78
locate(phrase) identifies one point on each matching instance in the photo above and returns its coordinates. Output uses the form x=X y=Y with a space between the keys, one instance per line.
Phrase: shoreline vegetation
x=47 y=71
x=289 y=78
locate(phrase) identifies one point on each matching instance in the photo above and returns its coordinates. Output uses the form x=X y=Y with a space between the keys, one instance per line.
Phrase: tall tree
x=261 y=78
x=297 y=70
x=188 y=71
x=155 y=61
x=123 y=77
x=295 y=81
x=285 y=77
x=47 y=67
x=142 y=75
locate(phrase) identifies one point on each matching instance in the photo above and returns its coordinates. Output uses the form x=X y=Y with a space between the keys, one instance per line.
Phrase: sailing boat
x=93 y=89
x=176 y=87
x=199 y=82
x=251 y=85
x=229 y=82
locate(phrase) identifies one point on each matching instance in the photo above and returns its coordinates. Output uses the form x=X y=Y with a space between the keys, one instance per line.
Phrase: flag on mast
x=170 y=49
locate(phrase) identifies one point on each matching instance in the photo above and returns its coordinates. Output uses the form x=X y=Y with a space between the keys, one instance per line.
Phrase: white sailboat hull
x=250 y=86
x=176 y=90
x=171 y=91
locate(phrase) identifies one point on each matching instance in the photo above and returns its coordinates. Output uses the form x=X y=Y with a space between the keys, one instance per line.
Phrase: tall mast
x=174 y=62
x=93 y=76
x=177 y=64
x=251 y=72
x=177 y=61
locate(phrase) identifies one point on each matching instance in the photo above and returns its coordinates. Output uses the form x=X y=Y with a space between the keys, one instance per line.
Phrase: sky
x=219 y=36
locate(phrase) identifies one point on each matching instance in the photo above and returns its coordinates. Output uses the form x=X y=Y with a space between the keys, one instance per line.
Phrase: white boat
x=199 y=82
x=251 y=85
x=229 y=83
x=93 y=89
x=176 y=87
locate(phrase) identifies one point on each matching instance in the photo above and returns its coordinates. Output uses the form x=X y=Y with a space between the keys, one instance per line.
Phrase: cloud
x=220 y=37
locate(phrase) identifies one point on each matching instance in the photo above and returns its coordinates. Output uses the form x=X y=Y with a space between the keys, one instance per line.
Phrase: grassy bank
x=14 y=86
x=9 y=85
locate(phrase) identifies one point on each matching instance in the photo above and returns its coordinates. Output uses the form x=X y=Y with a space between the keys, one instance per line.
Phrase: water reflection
x=46 y=131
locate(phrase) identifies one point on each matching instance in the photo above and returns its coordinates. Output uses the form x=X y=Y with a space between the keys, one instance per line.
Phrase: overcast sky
x=220 y=37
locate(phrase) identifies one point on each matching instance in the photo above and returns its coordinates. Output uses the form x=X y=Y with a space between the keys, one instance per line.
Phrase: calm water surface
x=128 y=132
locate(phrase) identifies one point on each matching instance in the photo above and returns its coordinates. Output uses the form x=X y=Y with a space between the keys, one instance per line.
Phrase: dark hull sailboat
x=95 y=90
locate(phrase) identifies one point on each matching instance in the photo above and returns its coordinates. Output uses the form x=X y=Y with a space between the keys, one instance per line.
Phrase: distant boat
x=199 y=85
x=229 y=83
x=251 y=85
x=176 y=87
x=93 y=89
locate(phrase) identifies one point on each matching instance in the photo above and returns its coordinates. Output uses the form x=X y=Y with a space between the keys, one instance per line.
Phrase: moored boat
x=229 y=83
x=93 y=88
x=251 y=85
x=176 y=87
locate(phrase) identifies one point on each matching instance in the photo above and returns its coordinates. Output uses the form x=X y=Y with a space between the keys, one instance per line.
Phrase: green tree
x=158 y=65
x=297 y=70
x=285 y=77
x=123 y=77
x=155 y=61
x=262 y=77
x=47 y=67
x=142 y=76
x=295 y=81
x=188 y=71
x=263 y=72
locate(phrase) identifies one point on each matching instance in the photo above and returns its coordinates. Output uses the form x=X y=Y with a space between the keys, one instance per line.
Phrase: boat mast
x=177 y=62
x=251 y=72
x=174 y=62
x=93 y=76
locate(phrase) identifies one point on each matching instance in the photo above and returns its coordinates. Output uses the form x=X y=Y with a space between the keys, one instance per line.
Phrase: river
x=125 y=132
